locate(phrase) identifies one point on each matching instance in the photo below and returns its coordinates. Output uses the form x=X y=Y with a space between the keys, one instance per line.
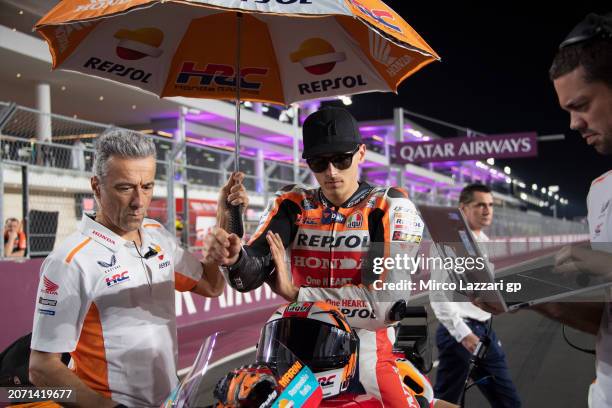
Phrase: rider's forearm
x=222 y=219
x=253 y=262
x=250 y=267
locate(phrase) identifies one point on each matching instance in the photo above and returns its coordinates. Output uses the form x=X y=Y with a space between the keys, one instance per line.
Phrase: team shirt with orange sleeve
x=332 y=248
x=113 y=308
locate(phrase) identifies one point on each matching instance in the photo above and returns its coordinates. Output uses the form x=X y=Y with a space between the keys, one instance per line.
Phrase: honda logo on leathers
x=318 y=262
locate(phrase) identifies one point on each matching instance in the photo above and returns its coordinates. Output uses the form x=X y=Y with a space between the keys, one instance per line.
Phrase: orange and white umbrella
x=289 y=50
x=285 y=51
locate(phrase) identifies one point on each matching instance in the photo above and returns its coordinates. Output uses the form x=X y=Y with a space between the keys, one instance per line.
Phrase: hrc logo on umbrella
x=221 y=74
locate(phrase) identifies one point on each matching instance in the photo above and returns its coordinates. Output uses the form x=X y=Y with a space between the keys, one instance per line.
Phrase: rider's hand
x=470 y=342
x=281 y=284
x=220 y=247
x=11 y=236
x=233 y=192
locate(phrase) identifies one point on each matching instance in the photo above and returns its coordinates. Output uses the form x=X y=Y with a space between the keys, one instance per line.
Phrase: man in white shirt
x=462 y=325
x=582 y=75
x=107 y=293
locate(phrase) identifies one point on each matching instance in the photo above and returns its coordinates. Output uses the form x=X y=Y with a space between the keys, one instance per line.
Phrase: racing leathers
x=332 y=253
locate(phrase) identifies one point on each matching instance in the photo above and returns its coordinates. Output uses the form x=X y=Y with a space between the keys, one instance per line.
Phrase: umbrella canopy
x=285 y=50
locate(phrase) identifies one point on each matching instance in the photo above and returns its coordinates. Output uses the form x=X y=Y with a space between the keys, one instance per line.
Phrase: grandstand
x=53 y=176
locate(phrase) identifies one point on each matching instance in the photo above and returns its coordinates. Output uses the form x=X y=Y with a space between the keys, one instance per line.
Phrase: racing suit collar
x=99 y=233
x=362 y=192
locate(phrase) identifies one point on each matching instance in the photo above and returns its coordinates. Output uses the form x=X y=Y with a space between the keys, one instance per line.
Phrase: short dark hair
x=588 y=45
x=595 y=57
x=467 y=194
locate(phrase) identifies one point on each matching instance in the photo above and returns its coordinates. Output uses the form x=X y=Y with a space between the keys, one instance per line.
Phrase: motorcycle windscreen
x=319 y=345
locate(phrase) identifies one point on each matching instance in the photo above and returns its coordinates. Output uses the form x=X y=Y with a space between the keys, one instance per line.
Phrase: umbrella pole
x=235 y=222
x=238 y=83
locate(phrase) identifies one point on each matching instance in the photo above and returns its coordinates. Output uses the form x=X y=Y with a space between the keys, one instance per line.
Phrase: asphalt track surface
x=546 y=371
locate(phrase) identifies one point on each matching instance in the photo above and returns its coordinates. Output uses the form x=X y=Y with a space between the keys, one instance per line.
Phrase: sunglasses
x=591 y=27
x=340 y=161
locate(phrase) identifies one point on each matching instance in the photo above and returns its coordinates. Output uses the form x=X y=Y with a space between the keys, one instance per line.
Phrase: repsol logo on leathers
x=350 y=241
x=361 y=313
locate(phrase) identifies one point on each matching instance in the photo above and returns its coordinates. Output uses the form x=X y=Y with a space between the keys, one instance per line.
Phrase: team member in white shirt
x=462 y=325
x=106 y=293
x=582 y=76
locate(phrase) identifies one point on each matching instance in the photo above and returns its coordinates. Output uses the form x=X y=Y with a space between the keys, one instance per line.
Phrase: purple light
x=285 y=140
x=202 y=117
x=369 y=164
x=421 y=189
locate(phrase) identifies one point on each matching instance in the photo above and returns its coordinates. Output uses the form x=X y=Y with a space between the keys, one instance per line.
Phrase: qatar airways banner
x=468 y=148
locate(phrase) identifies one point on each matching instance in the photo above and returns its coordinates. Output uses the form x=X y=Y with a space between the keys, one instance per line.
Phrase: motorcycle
x=306 y=356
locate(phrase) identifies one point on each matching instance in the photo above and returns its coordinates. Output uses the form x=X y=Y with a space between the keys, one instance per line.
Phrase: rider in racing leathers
x=333 y=234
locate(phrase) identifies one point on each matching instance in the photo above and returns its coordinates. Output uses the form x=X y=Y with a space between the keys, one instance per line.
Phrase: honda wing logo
x=380 y=49
x=51 y=287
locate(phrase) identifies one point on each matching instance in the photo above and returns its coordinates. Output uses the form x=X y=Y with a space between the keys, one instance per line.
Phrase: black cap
x=330 y=130
x=593 y=26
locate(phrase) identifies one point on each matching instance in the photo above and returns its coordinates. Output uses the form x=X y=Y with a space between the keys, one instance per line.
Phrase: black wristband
x=120 y=406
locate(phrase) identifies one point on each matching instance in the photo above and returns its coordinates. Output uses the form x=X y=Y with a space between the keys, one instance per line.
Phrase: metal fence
x=45 y=183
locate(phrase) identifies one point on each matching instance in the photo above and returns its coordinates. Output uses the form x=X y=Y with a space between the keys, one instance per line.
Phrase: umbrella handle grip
x=235 y=224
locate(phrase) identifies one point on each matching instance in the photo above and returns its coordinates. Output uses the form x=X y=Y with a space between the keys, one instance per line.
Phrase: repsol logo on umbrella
x=135 y=74
x=325 y=85
x=319 y=57
x=138 y=44
x=221 y=75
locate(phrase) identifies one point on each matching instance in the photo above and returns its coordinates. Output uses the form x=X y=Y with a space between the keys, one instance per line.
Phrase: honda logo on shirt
x=117 y=279
x=51 y=287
